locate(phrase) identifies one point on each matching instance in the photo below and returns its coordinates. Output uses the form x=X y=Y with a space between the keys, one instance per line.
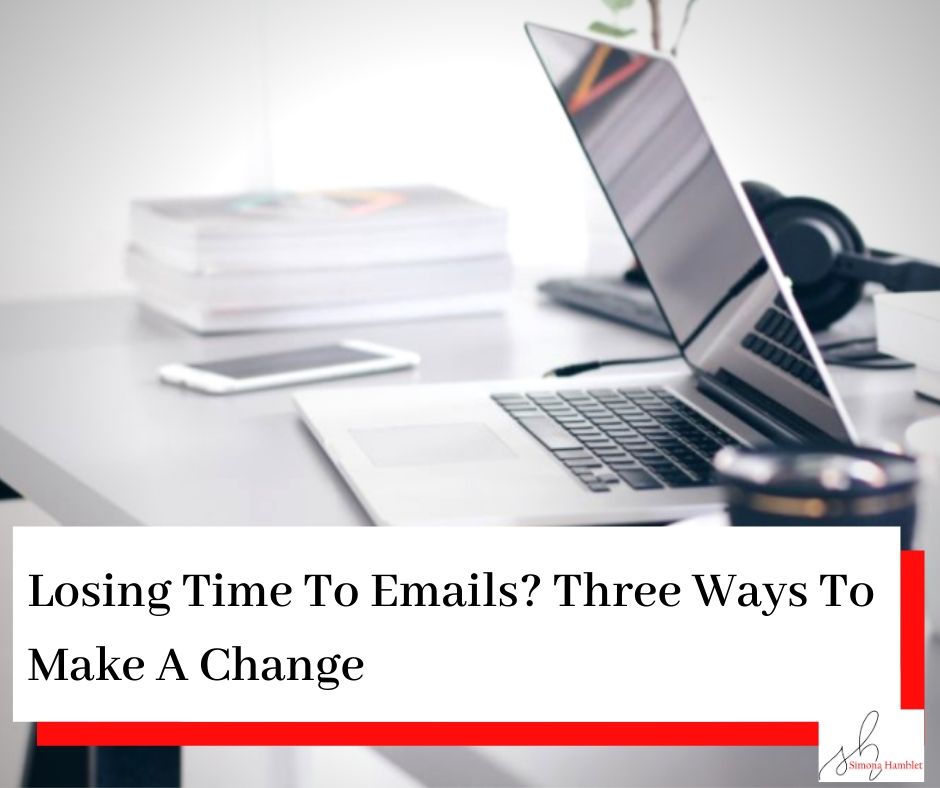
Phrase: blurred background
x=105 y=100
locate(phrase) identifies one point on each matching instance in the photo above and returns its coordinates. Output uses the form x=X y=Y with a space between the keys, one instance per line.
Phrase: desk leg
x=102 y=767
x=143 y=767
x=50 y=767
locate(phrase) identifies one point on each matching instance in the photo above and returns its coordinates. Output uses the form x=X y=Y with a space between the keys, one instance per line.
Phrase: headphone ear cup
x=806 y=236
x=760 y=195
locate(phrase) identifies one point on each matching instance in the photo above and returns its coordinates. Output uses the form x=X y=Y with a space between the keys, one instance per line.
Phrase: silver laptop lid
x=710 y=268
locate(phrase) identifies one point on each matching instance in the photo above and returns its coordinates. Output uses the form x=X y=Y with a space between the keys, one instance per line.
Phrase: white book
x=292 y=213
x=483 y=238
x=222 y=321
x=317 y=228
x=326 y=286
x=908 y=326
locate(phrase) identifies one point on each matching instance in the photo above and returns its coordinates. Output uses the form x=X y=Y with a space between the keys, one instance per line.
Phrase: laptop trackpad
x=430 y=444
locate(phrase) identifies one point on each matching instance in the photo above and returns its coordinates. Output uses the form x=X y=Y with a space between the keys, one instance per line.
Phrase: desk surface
x=89 y=434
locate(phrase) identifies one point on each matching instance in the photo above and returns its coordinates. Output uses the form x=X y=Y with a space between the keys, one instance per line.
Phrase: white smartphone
x=344 y=359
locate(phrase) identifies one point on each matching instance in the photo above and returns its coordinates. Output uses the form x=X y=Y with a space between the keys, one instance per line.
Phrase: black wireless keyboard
x=610 y=297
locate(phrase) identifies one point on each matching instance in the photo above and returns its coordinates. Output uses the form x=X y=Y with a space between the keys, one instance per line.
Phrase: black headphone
x=823 y=254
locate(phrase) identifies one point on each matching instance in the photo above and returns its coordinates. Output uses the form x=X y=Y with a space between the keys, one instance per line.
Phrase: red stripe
x=617 y=734
x=912 y=629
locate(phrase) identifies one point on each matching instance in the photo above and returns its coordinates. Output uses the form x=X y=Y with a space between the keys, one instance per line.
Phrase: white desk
x=89 y=435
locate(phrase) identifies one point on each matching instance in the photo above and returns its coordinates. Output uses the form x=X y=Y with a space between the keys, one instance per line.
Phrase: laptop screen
x=700 y=251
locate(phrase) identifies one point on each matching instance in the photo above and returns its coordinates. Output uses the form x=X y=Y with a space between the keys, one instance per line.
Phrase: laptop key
x=586 y=462
x=600 y=443
x=699 y=477
x=682 y=481
x=621 y=465
x=674 y=478
x=548 y=433
x=639 y=479
x=572 y=454
x=558 y=413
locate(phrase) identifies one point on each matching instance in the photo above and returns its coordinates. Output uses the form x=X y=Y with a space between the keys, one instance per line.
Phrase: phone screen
x=291 y=361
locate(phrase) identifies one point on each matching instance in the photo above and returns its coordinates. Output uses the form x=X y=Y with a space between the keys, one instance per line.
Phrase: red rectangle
x=444 y=734
x=912 y=629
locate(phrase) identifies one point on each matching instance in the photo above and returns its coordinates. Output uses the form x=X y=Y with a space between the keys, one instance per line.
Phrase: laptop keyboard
x=776 y=339
x=646 y=438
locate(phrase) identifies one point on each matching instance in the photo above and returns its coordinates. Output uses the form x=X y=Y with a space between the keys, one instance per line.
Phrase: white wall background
x=105 y=100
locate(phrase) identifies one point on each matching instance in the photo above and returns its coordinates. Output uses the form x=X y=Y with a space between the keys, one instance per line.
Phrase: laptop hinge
x=768 y=417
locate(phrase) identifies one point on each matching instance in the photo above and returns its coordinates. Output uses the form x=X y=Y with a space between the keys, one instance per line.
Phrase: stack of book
x=267 y=261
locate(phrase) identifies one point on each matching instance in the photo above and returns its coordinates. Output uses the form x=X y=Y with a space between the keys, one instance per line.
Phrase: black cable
x=877 y=362
x=588 y=366
x=846 y=343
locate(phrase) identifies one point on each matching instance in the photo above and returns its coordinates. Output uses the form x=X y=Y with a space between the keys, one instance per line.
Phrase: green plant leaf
x=618 y=5
x=611 y=30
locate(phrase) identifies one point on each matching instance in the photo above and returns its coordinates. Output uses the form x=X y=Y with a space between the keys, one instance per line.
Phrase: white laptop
x=613 y=448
